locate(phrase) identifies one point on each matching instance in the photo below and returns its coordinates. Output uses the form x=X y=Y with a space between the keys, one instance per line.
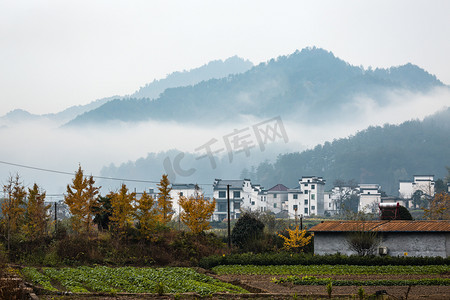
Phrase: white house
x=277 y=198
x=396 y=238
x=424 y=183
x=336 y=196
x=308 y=198
x=241 y=195
x=259 y=199
x=181 y=189
x=369 y=197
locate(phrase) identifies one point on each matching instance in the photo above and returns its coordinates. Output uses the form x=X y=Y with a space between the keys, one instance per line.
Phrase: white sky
x=54 y=54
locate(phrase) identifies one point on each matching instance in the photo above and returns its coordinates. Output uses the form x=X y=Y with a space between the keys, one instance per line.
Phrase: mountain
x=382 y=155
x=303 y=86
x=214 y=69
x=20 y=115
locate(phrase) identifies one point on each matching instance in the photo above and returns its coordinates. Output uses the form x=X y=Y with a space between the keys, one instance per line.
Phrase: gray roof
x=183 y=186
x=234 y=184
x=278 y=188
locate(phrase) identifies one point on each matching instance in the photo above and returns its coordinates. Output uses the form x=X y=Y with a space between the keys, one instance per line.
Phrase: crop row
x=131 y=280
x=329 y=269
x=311 y=280
x=287 y=258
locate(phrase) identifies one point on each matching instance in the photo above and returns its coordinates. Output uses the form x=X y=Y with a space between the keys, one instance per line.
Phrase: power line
x=68 y=173
x=94 y=176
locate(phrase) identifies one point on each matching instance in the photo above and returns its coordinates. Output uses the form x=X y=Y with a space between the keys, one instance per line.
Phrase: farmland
x=266 y=281
x=127 y=280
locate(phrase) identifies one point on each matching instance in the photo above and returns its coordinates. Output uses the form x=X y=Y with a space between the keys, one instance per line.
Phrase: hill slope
x=382 y=155
x=305 y=85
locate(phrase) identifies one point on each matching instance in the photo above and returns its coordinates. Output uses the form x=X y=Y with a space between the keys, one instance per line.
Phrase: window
x=295 y=207
x=237 y=205
x=222 y=194
x=181 y=194
x=306 y=201
x=261 y=209
x=222 y=207
x=306 y=210
x=306 y=191
x=295 y=196
x=274 y=195
x=329 y=204
x=274 y=205
x=313 y=207
x=313 y=186
x=253 y=202
x=236 y=194
x=313 y=197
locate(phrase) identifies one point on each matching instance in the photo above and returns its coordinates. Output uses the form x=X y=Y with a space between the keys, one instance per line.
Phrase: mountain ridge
x=300 y=84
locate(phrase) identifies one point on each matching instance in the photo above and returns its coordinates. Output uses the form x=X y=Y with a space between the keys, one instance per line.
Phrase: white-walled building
x=241 y=196
x=277 y=198
x=178 y=190
x=337 y=195
x=308 y=198
x=424 y=183
x=369 y=197
x=328 y=204
x=259 y=199
x=186 y=190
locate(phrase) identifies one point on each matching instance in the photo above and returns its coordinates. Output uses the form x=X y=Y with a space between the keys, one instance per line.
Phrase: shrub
x=246 y=232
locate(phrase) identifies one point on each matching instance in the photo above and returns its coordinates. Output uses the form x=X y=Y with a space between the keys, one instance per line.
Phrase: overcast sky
x=54 y=54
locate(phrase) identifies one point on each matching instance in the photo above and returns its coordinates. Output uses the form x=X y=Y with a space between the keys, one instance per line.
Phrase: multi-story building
x=424 y=183
x=259 y=199
x=308 y=198
x=182 y=190
x=369 y=197
x=241 y=196
x=277 y=199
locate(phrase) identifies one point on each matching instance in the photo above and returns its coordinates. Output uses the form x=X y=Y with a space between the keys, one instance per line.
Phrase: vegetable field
x=127 y=279
x=330 y=270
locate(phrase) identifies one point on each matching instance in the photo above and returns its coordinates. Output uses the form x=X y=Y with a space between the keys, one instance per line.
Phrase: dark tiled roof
x=234 y=184
x=183 y=186
x=279 y=188
x=383 y=226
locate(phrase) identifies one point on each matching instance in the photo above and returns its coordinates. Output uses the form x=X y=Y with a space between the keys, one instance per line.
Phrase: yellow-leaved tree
x=13 y=207
x=122 y=210
x=439 y=207
x=165 y=210
x=81 y=198
x=36 y=216
x=197 y=212
x=146 y=215
x=92 y=203
x=296 y=240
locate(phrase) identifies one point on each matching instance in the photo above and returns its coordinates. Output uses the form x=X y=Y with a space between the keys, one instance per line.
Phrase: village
x=308 y=199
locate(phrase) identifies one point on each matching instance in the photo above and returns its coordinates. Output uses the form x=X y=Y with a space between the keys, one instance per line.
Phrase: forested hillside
x=303 y=86
x=382 y=155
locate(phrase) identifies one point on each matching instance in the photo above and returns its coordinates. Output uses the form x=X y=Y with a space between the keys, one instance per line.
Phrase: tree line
x=24 y=213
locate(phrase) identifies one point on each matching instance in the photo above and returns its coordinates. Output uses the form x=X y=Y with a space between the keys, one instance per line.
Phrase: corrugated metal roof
x=383 y=226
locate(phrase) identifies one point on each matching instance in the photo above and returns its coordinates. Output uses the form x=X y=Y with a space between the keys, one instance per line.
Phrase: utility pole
x=301 y=221
x=56 y=217
x=229 y=216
